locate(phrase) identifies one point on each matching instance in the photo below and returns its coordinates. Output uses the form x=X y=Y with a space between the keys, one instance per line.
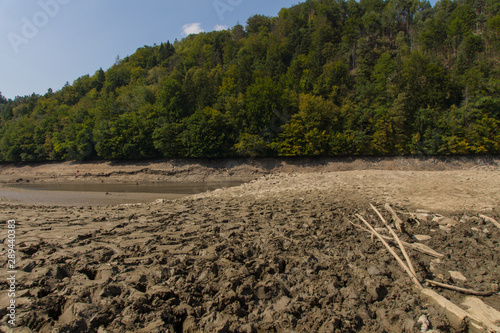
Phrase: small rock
x=457 y=276
x=450 y=222
x=434 y=266
x=422 y=216
x=424 y=322
x=437 y=219
x=373 y=270
x=422 y=238
x=445 y=221
x=445 y=228
x=282 y=304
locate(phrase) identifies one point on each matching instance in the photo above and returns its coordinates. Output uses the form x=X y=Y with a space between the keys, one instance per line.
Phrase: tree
x=6 y=112
x=462 y=22
x=264 y=105
x=168 y=141
x=116 y=77
x=417 y=75
x=383 y=76
x=238 y=32
x=17 y=142
x=208 y=134
x=258 y=23
x=433 y=35
x=307 y=133
x=164 y=52
x=99 y=80
x=171 y=101
x=384 y=141
x=493 y=25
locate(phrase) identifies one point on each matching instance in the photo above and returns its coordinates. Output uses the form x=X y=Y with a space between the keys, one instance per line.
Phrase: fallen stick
x=415 y=246
x=461 y=290
x=389 y=248
x=397 y=221
x=424 y=249
x=489 y=219
x=403 y=250
x=458 y=317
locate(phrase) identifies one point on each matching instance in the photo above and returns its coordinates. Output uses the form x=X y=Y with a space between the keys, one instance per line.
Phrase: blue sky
x=44 y=43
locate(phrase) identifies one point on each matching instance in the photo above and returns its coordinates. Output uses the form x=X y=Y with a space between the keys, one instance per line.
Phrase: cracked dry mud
x=275 y=255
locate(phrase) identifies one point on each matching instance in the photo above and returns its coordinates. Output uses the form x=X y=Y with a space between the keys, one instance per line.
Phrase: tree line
x=323 y=78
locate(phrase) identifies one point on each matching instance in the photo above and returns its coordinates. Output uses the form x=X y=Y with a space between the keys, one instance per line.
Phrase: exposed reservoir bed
x=103 y=193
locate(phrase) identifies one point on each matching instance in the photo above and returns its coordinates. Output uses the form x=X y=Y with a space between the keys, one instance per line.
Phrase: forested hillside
x=325 y=77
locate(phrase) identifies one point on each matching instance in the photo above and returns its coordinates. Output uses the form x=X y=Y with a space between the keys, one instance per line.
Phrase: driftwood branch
x=394 y=254
x=424 y=249
x=489 y=219
x=397 y=221
x=403 y=250
x=461 y=290
x=415 y=246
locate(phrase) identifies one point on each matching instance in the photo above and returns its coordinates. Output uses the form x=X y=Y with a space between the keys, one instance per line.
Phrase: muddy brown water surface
x=83 y=193
x=178 y=187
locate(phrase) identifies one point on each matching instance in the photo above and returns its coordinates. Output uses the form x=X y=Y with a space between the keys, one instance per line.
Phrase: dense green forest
x=325 y=77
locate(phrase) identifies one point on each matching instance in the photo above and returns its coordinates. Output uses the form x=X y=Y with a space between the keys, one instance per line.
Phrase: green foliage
x=208 y=134
x=99 y=80
x=252 y=145
x=264 y=101
x=306 y=134
x=329 y=77
x=258 y=23
x=167 y=140
x=172 y=101
x=18 y=141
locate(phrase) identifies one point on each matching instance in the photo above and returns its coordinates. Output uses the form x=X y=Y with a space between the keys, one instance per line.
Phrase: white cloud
x=192 y=28
x=220 y=27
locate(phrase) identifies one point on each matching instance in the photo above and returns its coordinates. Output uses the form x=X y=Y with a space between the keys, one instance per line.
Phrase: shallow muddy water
x=173 y=188
x=74 y=194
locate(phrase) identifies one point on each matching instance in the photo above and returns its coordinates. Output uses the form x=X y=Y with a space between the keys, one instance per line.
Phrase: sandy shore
x=458 y=181
x=276 y=254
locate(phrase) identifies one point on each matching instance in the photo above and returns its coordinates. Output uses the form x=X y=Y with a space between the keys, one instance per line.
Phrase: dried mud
x=275 y=255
